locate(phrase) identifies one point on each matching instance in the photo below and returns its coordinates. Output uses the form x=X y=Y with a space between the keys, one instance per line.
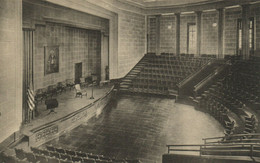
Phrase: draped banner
x=28 y=85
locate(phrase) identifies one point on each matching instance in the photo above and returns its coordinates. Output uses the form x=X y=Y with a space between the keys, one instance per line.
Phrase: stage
x=69 y=107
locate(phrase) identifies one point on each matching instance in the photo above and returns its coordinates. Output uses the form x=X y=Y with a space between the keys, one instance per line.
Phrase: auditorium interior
x=130 y=81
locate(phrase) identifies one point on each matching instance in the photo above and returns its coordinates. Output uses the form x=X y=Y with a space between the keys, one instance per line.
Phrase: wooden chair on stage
x=79 y=91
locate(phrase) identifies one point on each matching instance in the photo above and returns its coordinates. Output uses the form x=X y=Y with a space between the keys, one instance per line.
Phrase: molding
x=102 y=8
x=84 y=6
x=118 y=5
x=195 y=7
x=73 y=24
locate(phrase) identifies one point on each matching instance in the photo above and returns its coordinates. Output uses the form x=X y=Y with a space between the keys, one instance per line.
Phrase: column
x=220 y=32
x=158 y=52
x=245 y=31
x=177 y=34
x=11 y=45
x=198 y=23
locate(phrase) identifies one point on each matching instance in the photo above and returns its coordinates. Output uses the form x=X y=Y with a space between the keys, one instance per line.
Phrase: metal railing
x=235 y=138
x=238 y=149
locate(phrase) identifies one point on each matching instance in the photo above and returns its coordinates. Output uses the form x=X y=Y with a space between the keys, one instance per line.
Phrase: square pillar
x=245 y=31
x=158 y=51
x=177 y=34
x=198 y=24
x=220 y=32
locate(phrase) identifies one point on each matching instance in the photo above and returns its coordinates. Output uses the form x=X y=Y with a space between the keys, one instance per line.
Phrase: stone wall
x=131 y=44
x=167 y=34
x=75 y=46
x=209 y=36
x=231 y=16
x=151 y=35
x=70 y=30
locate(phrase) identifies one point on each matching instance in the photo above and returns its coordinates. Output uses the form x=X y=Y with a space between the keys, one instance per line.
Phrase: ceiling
x=158 y=3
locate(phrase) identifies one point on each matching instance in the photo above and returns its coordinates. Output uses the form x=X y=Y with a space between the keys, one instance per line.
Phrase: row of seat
x=38 y=158
x=160 y=73
x=215 y=108
x=71 y=153
x=87 y=156
x=185 y=55
x=250 y=124
x=59 y=155
x=236 y=91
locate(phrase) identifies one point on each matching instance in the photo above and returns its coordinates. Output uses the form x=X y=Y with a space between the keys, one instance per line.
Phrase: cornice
x=108 y=8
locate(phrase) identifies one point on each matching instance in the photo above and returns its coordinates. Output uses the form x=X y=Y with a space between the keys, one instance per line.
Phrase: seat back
x=82 y=80
x=77 y=87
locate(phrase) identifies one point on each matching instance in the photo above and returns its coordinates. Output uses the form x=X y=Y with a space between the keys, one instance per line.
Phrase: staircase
x=127 y=80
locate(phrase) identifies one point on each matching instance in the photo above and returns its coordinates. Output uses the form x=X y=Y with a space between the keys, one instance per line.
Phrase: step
x=124 y=86
x=126 y=80
x=125 y=83
x=123 y=89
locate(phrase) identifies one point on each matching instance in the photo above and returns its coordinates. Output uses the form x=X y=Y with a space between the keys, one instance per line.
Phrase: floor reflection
x=139 y=128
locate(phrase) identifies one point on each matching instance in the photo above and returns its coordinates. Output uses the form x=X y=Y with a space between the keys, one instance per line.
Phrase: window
x=239 y=36
x=191 y=38
x=251 y=35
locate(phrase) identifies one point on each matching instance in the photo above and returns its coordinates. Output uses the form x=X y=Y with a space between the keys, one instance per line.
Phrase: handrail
x=208 y=145
x=184 y=81
x=205 y=80
x=231 y=136
x=247 y=147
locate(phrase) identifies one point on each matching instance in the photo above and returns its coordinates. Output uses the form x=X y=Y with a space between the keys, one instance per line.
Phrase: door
x=78 y=72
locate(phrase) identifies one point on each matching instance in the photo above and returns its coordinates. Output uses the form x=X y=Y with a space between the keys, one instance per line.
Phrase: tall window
x=239 y=37
x=191 y=38
x=251 y=36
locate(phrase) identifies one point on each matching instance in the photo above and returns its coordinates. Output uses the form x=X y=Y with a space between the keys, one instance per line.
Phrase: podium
x=51 y=104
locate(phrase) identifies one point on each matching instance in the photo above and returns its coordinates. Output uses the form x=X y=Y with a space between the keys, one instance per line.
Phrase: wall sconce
x=214 y=24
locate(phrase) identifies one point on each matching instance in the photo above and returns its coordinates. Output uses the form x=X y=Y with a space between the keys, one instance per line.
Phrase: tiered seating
x=238 y=90
x=162 y=73
x=250 y=124
x=216 y=108
x=60 y=155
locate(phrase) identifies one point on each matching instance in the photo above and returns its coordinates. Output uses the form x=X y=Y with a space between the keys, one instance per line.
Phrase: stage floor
x=138 y=127
x=68 y=103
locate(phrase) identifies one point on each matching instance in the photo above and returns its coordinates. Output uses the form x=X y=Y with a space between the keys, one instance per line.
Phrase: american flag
x=30 y=98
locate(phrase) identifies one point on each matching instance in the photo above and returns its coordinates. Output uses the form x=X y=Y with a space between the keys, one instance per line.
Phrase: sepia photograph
x=129 y=81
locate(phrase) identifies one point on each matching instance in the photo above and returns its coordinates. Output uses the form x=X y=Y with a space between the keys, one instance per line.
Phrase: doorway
x=78 y=72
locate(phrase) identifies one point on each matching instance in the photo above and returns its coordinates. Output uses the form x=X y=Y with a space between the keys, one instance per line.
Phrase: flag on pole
x=31 y=99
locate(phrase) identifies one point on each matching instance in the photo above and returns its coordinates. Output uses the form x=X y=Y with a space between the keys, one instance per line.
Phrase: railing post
x=251 y=150
x=200 y=149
